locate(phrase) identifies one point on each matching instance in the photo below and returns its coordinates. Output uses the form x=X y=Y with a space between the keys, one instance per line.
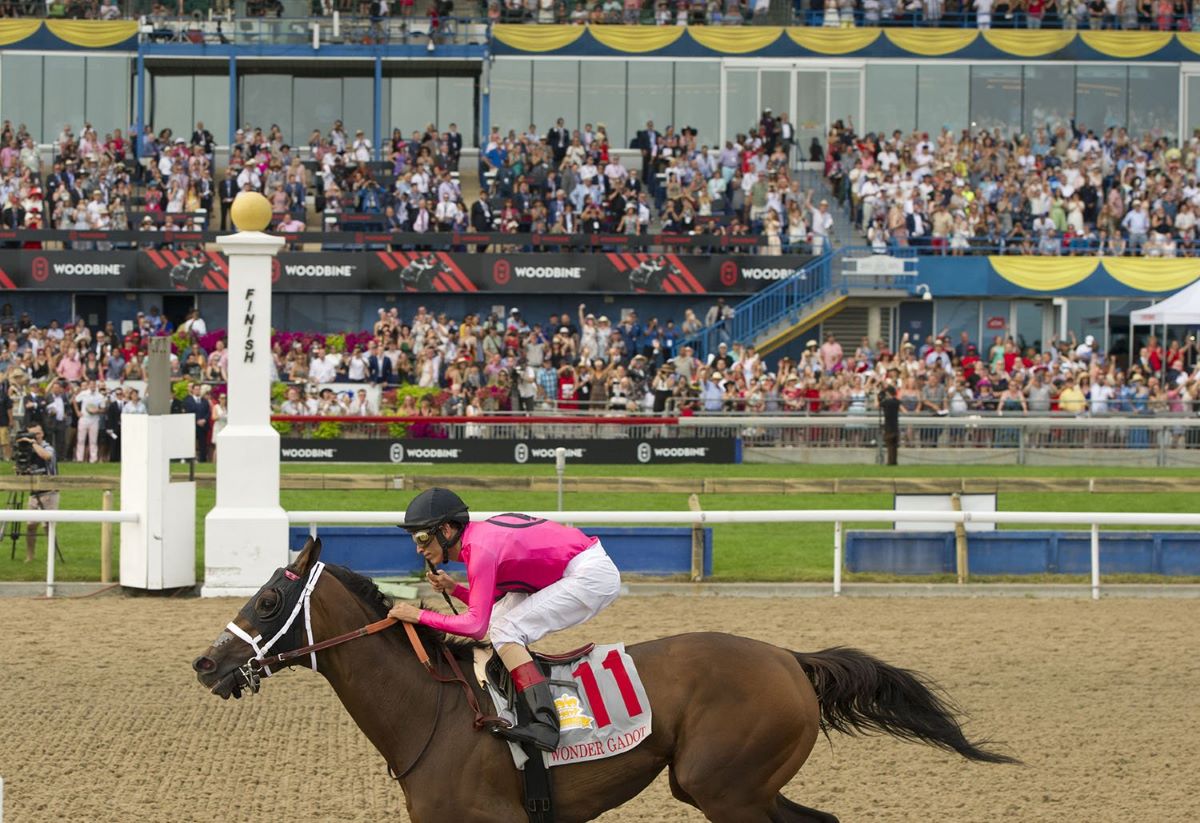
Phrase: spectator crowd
x=1062 y=190
x=585 y=362
x=77 y=381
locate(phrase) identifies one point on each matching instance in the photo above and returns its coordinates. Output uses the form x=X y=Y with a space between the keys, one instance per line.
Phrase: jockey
x=526 y=577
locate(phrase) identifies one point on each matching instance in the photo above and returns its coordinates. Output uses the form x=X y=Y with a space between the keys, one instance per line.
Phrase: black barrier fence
x=197 y=270
x=634 y=451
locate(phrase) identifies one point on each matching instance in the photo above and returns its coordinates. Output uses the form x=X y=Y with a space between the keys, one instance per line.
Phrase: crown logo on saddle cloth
x=602 y=706
x=570 y=714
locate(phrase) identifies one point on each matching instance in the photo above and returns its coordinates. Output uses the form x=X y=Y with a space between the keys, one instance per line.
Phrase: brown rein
x=418 y=648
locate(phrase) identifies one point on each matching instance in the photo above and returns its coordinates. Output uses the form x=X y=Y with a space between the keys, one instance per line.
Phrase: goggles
x=423 y=537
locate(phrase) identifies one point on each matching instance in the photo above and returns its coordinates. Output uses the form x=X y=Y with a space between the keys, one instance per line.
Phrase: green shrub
x=328 y=430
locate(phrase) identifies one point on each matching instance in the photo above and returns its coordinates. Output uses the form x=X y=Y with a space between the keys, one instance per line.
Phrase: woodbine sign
x=635 y=451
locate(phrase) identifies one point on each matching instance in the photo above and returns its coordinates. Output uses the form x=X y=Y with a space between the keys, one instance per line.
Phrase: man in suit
x=918 y=225
x=203 y=137
x=12 y=217
x=227 y=190
x=379 y=367
x=559 y=139
x=454 y=143
x=481 y=218
x=196 y=403
x=297 y=197
x=647 y=143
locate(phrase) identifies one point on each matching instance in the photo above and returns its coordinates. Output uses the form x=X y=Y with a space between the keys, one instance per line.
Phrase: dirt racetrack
x=102 y=719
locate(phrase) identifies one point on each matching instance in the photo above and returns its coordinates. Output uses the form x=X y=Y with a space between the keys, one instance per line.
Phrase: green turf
x=756 y=551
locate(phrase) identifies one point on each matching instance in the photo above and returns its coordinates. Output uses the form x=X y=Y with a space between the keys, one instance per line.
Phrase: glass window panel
x=305 y=311
x=212 y=104
x=602 y=99
x=809 y=113
x=1030 y=324
x=172 y=105
x=215 y=305
x=1086 y=317
x=741 y=102
x=342 y=311
x=555 y=94
x=1100 y=96
x=891 y=99
x=1193 y=103
x=414 y=103
x=995 y=325
x=358 y=108
x=1049 y=98
x=956 y=317
x=511 y=95
x=996 y=98
x=651 y=88
x=318 y=102
x=1118 y=325
x=456 y=104
x=107 y=96
x=776 y=91
x=21 y=92
x=65 y=77
x=845 y=96
x=1153 y=100
x=943 y=98
x=266 y=101
x=697 y=86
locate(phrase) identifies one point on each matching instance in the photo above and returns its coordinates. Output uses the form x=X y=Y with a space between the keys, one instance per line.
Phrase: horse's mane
x=365 y=590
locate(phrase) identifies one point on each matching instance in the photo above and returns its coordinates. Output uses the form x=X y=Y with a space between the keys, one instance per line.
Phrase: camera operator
x=36 y=457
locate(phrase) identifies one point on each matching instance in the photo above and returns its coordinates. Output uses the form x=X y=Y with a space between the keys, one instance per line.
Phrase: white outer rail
x=838 y=516
x=55 y=516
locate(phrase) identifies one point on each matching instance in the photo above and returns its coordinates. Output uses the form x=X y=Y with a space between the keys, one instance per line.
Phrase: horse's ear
x=309 y=555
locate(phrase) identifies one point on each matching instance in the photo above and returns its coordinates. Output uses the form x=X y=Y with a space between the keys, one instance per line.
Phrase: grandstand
x=510 y=213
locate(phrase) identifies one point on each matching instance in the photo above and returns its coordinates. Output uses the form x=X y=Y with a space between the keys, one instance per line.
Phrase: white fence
x=837 y=516
x=53 y=518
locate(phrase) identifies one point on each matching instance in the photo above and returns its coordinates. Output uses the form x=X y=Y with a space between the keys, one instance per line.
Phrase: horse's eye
x=267 y=604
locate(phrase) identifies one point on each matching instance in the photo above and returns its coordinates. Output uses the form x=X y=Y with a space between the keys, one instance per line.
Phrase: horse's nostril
x=203 y=664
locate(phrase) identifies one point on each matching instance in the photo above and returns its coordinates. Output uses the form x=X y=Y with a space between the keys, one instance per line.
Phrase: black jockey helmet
x=433 y=507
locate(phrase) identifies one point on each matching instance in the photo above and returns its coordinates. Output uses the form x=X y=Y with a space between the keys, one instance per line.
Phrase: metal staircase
x=823 y=287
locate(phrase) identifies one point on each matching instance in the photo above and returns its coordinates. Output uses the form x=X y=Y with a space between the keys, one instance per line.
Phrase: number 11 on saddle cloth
x=602 y=707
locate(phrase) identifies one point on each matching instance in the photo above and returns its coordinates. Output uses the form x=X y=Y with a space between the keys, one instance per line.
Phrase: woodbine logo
x=549 y=272
x=647 y=452
x=89 y=269
x=397 y=453
x=317 y=271
x=767 y=274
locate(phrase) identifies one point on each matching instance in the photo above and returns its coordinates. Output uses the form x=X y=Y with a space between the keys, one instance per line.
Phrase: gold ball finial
x=251 y=211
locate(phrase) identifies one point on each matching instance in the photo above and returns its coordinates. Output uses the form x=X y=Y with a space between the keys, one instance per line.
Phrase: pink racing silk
x=508 y=553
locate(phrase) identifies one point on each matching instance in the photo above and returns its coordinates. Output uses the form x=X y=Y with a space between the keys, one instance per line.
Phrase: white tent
x=1180 y=309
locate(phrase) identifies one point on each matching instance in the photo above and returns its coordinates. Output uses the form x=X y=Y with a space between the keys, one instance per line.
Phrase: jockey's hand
x=441 y=581
x=405 y=612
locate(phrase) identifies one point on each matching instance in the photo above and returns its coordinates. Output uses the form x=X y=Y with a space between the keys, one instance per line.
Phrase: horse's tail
x=859 y=694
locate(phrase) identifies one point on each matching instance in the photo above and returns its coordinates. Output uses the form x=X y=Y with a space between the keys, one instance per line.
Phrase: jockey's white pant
x=589 y=583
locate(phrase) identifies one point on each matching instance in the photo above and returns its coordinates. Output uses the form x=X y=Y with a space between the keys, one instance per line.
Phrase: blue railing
x=785 y=299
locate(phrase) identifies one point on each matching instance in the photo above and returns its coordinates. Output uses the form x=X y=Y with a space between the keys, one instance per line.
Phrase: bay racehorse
x=733 y=718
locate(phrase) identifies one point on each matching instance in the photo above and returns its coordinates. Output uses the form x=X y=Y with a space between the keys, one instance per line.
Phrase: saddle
x=495 y=672
x=539 y=796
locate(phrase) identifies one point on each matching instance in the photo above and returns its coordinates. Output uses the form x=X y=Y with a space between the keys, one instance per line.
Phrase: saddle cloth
x=602 y=706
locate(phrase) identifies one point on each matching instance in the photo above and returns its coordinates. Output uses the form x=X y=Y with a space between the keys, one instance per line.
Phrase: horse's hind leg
x=788 y=812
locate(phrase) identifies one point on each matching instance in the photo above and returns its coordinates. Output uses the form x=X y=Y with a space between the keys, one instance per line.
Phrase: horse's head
x=274 y=620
